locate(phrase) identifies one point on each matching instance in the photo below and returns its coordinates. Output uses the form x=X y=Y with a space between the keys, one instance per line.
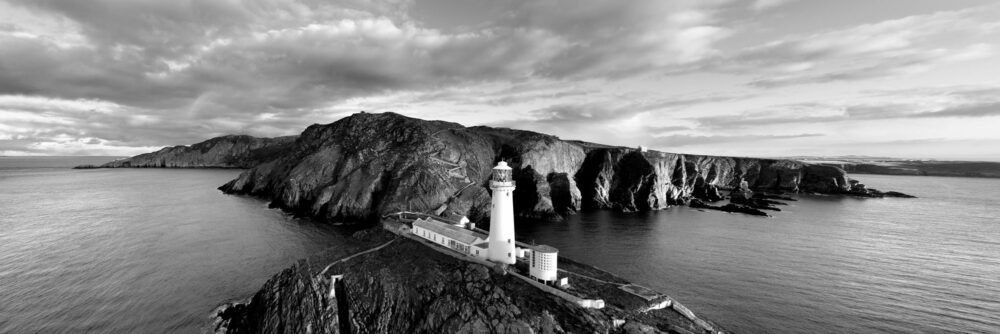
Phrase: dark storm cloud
x=37 y=67
x=205 y=67
x=306 y=53
x=283 y=55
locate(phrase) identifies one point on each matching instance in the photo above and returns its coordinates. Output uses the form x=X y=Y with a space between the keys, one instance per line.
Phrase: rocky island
x=363 y=167
x=369 y=164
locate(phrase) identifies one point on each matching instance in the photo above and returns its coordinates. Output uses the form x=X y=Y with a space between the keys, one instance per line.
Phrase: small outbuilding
x=544 y=263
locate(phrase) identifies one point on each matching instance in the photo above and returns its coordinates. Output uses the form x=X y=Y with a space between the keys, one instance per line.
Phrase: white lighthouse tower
x=502 y=216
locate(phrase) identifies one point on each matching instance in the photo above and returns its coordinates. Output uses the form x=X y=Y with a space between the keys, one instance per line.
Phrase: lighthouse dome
x=501 y=165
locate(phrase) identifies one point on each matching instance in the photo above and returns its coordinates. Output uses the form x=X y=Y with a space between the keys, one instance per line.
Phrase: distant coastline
x=892 y=166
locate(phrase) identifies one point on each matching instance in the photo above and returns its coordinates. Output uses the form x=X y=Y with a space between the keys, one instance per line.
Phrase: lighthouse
x=501 y=239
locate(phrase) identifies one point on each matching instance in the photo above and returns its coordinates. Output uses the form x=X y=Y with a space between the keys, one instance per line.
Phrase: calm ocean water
x=823 y=265
x=133 y=250
x=154 y=251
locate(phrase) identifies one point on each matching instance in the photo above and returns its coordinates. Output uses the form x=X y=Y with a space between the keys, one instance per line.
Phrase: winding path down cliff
x=366 y=165
x=407 y=287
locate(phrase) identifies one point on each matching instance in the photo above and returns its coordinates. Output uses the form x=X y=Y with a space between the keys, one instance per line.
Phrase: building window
x=508 y=254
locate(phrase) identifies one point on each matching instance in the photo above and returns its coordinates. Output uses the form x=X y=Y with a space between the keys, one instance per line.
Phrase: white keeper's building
x=461 y=240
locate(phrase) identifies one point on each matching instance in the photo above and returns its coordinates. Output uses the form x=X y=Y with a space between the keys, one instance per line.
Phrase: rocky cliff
x=407 y=287
x=366 y=165
x=233 y=151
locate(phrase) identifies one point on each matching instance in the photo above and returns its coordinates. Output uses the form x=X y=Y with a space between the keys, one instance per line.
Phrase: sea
x=134 y=250
x=157 y=250
x=824 y=264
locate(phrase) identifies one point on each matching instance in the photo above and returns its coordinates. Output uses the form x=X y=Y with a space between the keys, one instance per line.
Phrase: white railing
x=502 y=184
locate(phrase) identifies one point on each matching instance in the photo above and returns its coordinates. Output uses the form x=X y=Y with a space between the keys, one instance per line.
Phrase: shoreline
x=307 y=298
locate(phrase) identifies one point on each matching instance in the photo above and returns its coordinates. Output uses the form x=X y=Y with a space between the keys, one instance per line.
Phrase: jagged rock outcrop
x=731 y=208
x=234 y=151
x=859 y=189
x=366 y=165
x=407 y=287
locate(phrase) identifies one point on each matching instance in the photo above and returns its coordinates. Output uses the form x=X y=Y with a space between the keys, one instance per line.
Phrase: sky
x=766 y=78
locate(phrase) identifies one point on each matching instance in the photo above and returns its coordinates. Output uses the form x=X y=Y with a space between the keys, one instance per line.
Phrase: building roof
x=544 y=249
x=451 y=231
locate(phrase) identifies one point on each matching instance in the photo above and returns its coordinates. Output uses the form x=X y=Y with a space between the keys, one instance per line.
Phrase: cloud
x=186 y=50
x=207 y=67
x=972 y=110
x=898 y=64
x=892 y=47
x=600 y=113
x=940 y=102
x=691 y=140
x=761 y=5
x=219 y=64
x=73 y=127
x=143 y=73
x=663 y=129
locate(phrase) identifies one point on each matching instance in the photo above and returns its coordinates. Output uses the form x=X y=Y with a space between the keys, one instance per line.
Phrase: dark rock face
x=407 y=287
x=366 y=165
x=733 y=208
x=369 y=164
x=219 y=152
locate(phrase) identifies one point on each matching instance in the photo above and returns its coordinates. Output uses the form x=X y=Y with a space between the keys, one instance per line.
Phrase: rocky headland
x=366 y=165
x=233 y=151
x=403 y=286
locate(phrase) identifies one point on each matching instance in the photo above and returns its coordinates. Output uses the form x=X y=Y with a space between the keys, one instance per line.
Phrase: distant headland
x=917 y=167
